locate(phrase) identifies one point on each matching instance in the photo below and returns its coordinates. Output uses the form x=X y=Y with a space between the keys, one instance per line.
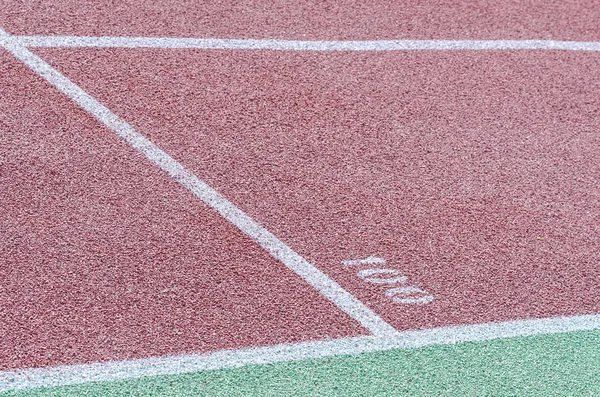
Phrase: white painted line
x=367 y=261
x=296 y=45
x=407 y=292
x=366 y=274
x=321 y=282
x=172 y=365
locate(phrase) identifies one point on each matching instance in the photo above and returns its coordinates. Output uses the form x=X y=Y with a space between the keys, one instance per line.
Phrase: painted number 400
x=402 y=293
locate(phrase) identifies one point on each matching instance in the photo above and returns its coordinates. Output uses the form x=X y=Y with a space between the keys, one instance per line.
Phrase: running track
x=469 y=176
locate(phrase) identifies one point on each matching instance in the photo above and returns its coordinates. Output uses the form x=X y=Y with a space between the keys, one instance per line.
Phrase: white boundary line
x=317 y=279
x=173 y=365
x=271 y=44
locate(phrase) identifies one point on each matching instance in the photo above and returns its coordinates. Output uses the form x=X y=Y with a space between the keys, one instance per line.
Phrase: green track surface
x=552 y=365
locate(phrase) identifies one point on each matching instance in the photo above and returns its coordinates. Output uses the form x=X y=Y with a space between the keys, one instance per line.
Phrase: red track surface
x=315 y=19
x=105 y=257
x=474 y=173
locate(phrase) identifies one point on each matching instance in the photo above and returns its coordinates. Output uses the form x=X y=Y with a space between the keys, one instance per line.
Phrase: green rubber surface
x=551 y=365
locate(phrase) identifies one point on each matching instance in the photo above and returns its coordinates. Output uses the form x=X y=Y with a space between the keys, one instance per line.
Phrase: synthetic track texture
x=308 y=19
x=527 y=206
x=473 y=173
x=106 y=258
x=552 y=365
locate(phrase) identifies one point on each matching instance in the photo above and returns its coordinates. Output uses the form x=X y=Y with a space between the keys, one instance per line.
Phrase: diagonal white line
x=172 y=365
x=297 y=45
x=317 y=279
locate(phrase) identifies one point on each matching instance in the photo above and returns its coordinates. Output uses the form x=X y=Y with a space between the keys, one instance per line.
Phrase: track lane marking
x=297 y=45
x=268 y=241
x=31 y=378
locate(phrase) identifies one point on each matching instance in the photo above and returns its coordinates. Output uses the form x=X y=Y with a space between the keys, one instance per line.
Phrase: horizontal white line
x=172 y=365
x=296 y=45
